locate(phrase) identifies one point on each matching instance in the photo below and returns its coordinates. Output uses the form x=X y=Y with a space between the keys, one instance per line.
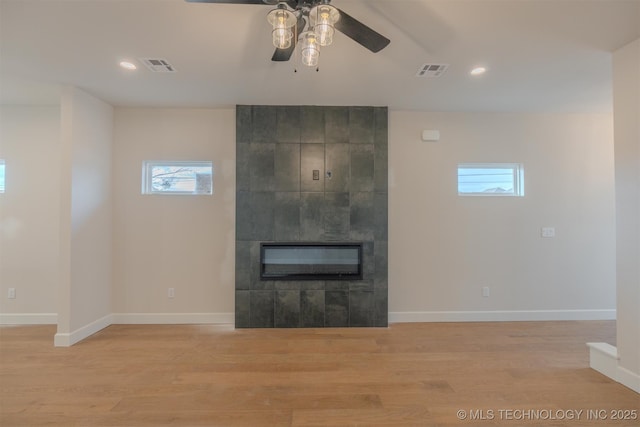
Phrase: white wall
x=29 y=213
x=84 y=295
x=181 y=242
x=444 y=248
x=626 y=94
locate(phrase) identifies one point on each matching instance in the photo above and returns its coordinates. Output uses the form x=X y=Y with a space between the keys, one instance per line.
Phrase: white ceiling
x=542 y=55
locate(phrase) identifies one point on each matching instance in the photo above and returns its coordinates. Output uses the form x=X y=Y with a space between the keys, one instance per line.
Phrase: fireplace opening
x=311 y=261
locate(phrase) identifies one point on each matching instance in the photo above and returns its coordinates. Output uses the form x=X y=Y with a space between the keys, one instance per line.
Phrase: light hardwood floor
x=418 y=374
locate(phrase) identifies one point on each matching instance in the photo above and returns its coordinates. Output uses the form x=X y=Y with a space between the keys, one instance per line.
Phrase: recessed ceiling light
x=128 y=65
x=477 y=71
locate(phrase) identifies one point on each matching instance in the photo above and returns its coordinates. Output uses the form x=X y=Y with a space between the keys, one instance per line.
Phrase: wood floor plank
x=418 y=374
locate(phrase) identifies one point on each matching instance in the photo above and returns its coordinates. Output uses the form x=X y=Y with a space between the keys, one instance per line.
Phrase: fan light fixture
x=323 y=17
x=282 y=21
x=310 y=24
x=310 y=48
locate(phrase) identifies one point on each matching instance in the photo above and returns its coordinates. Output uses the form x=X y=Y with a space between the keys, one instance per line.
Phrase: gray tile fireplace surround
x=278 y=148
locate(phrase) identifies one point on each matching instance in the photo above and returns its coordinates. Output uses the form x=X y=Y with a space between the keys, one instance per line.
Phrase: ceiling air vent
x=432 y=70
x=158 y=65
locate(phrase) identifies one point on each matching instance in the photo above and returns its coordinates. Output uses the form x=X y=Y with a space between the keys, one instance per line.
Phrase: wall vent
x=432 y=70
x=158 y=65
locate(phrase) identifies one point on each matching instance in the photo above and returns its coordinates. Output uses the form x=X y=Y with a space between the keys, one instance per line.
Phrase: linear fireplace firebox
x=311 y=261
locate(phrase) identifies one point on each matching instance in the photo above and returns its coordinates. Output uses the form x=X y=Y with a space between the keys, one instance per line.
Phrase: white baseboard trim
x=28 y=318
x=499 y=316
x=172 y=318
x=604 y=358
x=69 y=339
x=629 y=379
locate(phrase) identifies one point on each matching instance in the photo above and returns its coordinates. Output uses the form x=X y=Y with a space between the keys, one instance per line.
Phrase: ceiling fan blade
x=360 y=33
x=285 y=54
x=271 y=2
x=281 y=55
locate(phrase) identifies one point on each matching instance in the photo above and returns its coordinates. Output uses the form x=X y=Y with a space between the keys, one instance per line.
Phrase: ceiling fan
x=290 y=18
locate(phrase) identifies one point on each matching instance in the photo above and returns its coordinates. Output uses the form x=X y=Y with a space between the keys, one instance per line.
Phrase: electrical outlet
x=486 y=291
x=548 y=232
x=11 y=293
x=171 y=292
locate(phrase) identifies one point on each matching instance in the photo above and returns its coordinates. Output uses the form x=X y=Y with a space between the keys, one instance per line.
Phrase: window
x=1 y=176
x=176 y=177
x=490 y=179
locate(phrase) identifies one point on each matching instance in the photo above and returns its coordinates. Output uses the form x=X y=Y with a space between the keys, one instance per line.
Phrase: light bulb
x=282 y=21
x=323 y=17
x=310 y=49
x=282 y=38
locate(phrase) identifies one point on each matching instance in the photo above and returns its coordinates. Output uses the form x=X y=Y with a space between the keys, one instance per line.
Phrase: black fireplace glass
x=311 y=261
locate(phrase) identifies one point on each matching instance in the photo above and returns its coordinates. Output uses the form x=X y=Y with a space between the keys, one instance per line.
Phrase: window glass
x=490 y=179
x=177 y=177
x=2 y=169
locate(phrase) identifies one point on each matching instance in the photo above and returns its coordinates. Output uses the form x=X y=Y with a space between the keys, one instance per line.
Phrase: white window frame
x=147 y=179
x=518 y=179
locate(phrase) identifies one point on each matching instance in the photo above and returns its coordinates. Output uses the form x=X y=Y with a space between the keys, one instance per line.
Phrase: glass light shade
x=282 y=21
x=309 y=48
x=323 y=17
x=282 y=37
